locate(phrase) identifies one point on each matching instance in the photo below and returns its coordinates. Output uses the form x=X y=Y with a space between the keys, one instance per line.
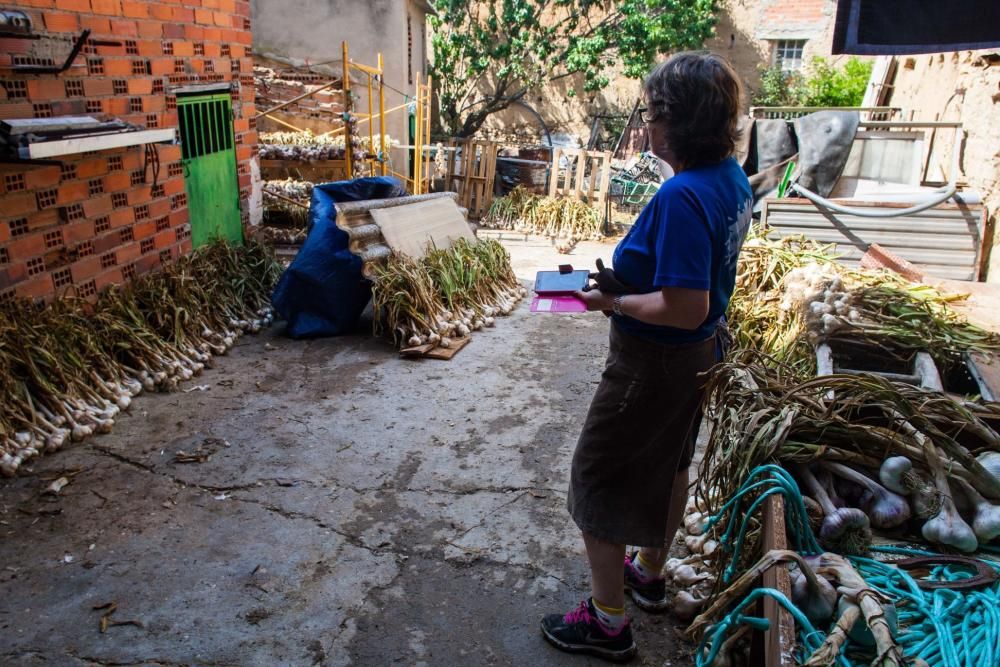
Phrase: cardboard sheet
x=411 y=227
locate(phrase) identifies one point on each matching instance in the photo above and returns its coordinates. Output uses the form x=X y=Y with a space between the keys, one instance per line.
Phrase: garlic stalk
x=812 y=594
x=885 y=508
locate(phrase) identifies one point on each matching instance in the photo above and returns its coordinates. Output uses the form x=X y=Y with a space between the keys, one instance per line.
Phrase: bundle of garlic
x=291 y=188
x=524 y=211
x=308 y=147
x=70 y=367
x=448 y=294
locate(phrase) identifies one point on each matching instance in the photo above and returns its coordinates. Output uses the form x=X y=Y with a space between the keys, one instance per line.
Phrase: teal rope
x=943 y=627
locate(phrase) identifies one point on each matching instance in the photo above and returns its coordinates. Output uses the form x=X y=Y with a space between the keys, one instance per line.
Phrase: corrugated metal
x=944 y=241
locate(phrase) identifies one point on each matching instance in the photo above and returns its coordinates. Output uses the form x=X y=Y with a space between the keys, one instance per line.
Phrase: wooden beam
x=297 y=98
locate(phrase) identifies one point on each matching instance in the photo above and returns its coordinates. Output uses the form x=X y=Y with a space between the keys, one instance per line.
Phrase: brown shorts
x=639 y=433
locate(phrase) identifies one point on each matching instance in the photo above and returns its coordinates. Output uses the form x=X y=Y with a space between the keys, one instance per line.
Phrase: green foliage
x=828 y=86
x=822 y=85
x=488 y=54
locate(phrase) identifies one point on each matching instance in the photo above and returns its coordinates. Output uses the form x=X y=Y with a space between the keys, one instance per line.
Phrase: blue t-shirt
x=689 y=235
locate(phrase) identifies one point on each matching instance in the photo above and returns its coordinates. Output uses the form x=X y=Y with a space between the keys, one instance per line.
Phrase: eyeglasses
x=646 y=115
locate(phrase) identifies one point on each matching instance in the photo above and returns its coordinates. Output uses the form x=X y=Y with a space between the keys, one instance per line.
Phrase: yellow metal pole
x=427 y=132
x=371 y=131
x=381 y=115
x=346 y=87
x=418 y=141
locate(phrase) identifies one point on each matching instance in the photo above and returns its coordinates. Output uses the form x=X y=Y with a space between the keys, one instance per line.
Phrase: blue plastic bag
x=322 y=292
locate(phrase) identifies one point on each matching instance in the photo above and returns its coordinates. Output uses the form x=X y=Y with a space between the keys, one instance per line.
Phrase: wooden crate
x=472 y=166
x=587 y=176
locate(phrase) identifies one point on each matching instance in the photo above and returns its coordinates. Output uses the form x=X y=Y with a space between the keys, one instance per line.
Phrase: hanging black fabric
x=900 y=27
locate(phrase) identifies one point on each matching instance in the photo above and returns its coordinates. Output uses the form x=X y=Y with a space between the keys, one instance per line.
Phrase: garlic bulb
x=686 y=606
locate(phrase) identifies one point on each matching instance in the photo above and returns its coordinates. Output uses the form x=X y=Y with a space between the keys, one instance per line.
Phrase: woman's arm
x=671 y=306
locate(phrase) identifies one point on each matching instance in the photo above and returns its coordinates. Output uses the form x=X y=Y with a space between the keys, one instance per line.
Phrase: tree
x=488 y=54
x=822 y=85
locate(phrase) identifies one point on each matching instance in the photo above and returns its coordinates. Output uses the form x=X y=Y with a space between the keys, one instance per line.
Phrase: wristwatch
x=616 y=305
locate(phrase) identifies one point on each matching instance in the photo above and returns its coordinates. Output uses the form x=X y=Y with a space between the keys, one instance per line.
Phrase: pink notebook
x=557 y=304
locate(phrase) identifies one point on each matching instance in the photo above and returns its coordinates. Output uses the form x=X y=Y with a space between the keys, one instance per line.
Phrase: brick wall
x=99 y=218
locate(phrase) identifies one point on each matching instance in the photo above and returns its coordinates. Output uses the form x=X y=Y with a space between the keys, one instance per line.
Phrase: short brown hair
x=696 y=98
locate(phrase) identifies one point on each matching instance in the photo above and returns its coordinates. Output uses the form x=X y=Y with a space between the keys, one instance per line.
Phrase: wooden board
x=435 y=352
x=779 y=640
x=410 y=228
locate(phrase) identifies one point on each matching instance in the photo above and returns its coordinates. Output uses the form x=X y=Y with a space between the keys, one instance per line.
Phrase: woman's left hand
x=596 y=300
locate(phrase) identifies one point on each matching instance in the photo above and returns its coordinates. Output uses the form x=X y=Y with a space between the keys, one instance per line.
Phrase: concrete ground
x=351 y=508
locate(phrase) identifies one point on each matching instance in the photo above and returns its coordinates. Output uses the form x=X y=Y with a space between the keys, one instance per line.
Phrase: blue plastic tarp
x=322 y=292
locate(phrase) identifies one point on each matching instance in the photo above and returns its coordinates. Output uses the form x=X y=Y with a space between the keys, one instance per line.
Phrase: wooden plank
x=779 y=640
x=554 y=176
x=409 y=228
x=430 y=351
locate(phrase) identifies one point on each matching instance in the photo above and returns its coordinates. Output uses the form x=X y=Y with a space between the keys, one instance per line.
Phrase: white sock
x=645 y=569
x=612 y=619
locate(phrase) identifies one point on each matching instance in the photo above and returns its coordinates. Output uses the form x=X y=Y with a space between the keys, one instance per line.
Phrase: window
x=787 y=54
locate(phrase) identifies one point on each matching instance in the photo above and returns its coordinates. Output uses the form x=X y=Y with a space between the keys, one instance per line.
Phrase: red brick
x=45 y=89
x=174 y=186
x=19 y=204
x=143 y=229
x=170 y=153
x=223 y=20
x=25 y=247
x=117 y=181
x=136 y=10
x=97 y=206
x=161 y=66
x=79 y=231
x=109 y=7
x=69 y=107
x=12 y=45
x=86 y=268
x=178 y=218
x=183 y=49
x=72 y=192
x=140 y=86
x=127 y=253
x=164 y=239
x=161 y=12
x=73 y=5
x=98 y=87
x=151 y=47
x=124 y=28
x=91 y=167
x=154 y=104
x=36 y=288
x=213 y=35
x=96 y=25
x=194 y=32
x=108 y=278
x=62 y=22
x=104 y=243
x=44 y=219
x=45 y=177
x=4 y=232
x=121 y=67
x=186 y=246
x=116 y=106
x=228 y=6
x=139 y=195
x=159 y=208
x=151 y=29
x=147 y=263
x=19 y=110
x=174 y=30
x=122 y=218
x=203 y=16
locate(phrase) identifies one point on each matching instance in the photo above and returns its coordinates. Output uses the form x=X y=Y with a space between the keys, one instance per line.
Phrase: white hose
x=939 y=196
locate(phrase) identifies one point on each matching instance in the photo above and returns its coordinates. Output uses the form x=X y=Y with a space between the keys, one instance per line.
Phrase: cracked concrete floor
x=356 y=508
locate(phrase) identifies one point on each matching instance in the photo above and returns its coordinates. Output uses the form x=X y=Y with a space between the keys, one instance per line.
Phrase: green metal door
x=209 y=159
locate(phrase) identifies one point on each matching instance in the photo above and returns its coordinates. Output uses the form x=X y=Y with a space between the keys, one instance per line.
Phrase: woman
x=629 y=474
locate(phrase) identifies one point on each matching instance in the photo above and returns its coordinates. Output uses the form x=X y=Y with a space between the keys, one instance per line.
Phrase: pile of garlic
x=819 y=294
x=692 y=574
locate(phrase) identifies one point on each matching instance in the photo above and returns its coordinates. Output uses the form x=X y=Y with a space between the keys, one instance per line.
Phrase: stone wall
x=959 y=86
